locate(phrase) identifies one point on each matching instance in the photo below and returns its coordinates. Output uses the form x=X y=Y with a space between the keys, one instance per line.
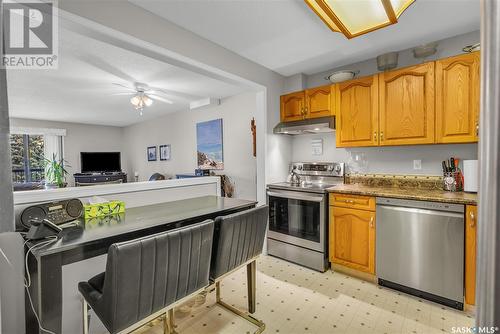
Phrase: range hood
x=306 y=126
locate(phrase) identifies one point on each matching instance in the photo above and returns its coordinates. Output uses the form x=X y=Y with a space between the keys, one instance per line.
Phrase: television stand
x=88 y=179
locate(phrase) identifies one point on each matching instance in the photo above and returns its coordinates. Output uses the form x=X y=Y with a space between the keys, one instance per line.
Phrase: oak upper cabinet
x=292 y=106
x=356 y=105
x=352 y=238
x=319 y=101
x=470 y=253
x=457 y=99
x=407 y=106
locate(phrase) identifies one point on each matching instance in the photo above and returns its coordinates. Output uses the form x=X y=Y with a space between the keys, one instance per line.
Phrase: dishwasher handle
x=421 y=211
x=429 y=205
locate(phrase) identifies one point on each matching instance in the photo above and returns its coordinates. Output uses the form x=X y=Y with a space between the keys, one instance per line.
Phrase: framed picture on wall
x=209 y=144
x=152 y=153
x=164 y=152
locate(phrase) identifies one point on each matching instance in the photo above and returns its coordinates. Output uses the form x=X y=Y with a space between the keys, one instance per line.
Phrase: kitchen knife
x=445 y=169
x=452 y=164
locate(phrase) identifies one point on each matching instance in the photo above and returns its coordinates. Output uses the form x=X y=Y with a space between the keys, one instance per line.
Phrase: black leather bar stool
x=145 y=278
x=238 y=242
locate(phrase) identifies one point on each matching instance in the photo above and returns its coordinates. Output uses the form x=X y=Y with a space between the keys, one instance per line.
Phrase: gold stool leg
x=251 y=279
x=166 y=328
x=168 y=322
x=85 y=315
x=261 y=326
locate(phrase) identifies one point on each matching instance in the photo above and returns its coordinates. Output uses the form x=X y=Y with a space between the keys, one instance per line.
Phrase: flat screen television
x=102 y=162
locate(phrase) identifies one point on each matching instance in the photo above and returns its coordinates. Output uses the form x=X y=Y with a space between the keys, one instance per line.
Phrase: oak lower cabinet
x=352 y=238
x=457 y=99
x=356 y=105
x=470 y=253
x=407 y=106
x=292 y=106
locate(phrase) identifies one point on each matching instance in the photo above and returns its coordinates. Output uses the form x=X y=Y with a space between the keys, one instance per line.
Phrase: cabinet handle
x=375 y=136
x=477 y=129
x=472 y=219
x=382 y=135
x=371 y=222
x=349 y=201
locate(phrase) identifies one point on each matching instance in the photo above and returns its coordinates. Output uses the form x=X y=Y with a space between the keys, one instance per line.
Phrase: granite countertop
x=416 y=194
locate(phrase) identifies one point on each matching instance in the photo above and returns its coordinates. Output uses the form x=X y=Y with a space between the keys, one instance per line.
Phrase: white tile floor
x=292 y=299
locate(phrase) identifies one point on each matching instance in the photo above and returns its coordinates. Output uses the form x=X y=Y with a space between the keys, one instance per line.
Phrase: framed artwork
x=164 y=152
x=152 y=153
x=209 y=144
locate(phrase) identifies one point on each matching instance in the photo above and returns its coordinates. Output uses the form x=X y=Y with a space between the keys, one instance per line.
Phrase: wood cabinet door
x=352 y=238
x=356 y=110
x=457 y=99
x=319 y=101
x=470 y=253
x=292 y=106
x=407 y=106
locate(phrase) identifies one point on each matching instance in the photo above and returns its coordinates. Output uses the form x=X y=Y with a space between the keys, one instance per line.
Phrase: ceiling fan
x=143 y=95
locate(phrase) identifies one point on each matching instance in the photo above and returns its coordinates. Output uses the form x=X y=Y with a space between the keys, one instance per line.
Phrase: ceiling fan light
x=135 y=100
x=147 y=100
x=355 y=18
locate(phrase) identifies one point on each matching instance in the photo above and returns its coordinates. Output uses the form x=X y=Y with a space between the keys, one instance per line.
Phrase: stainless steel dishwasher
x=420 y=249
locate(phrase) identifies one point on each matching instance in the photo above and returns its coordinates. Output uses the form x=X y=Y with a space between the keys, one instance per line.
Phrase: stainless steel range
x=298 y=213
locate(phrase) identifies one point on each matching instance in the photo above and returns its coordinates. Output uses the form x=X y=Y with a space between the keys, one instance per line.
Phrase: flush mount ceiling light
x=357 y=17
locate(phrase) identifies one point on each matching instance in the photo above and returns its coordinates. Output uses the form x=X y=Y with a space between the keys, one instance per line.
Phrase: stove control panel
x=318 y=168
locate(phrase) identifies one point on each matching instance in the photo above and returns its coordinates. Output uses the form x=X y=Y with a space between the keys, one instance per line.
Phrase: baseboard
x=353 y=272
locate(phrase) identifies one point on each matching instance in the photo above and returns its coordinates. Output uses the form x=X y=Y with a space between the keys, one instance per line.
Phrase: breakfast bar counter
x=93 y=237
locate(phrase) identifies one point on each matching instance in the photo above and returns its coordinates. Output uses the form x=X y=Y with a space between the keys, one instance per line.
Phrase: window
x=27 y=153
x=29 y=148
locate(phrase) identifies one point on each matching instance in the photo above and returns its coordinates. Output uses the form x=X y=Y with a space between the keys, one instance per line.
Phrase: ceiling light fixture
x=355 y=18
x=141 y=100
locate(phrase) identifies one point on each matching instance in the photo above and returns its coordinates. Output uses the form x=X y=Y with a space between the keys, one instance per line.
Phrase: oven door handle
x=298 y=196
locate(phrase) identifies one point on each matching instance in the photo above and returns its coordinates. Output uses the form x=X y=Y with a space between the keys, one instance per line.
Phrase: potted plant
x=55 y=173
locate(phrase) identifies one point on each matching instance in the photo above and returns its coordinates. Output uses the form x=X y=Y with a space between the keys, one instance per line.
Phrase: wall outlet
x=417 y=164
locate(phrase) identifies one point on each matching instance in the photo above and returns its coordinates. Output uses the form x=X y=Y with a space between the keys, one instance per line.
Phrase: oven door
x=297 y=218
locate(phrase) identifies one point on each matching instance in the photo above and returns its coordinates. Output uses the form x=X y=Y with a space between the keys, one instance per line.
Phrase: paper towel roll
x=471 y=176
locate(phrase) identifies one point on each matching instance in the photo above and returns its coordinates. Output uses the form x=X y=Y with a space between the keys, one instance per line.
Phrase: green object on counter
x=103 y=209
x=110 y=220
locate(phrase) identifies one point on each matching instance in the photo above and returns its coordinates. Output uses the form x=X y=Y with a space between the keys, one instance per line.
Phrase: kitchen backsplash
x=418 y=182
x=382 y=160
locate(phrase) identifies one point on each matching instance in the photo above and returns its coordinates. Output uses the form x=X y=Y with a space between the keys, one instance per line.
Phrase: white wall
x=11 y=283
x=179 y=130
x=80 y=138
x=391 y=160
